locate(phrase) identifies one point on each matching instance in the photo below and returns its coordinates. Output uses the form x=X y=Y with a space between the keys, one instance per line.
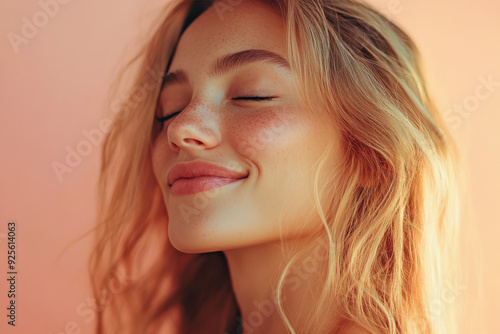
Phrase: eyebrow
x=228 y=63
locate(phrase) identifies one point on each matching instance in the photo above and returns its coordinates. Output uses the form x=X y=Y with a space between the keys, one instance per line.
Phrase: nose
x=195 y=128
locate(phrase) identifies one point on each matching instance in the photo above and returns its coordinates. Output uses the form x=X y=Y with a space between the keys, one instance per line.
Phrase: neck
x=255 y=272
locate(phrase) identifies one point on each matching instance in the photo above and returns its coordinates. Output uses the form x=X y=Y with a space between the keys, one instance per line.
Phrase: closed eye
x=166 y=118
x=254 y=98
x=248 y=98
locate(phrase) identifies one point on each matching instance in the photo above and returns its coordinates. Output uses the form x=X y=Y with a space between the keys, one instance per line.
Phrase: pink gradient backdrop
x=54 y=88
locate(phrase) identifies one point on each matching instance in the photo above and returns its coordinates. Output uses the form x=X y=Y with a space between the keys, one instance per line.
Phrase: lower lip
x=198 y=184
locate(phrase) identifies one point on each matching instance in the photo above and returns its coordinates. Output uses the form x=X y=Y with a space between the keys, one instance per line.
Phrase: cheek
x=264 y=133
x=285 y=145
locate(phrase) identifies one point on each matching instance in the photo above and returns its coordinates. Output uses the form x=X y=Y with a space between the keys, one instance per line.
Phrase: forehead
x=224 y=29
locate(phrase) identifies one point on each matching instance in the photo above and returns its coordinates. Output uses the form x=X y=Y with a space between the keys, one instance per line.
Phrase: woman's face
x=271 y=144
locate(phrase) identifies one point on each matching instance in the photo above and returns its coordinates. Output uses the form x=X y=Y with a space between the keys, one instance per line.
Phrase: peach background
x=54 y=89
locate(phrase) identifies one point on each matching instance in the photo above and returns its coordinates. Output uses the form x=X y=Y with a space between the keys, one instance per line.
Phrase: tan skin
x=281 y=143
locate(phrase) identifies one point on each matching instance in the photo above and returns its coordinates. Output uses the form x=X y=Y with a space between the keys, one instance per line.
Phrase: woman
x=289 y=175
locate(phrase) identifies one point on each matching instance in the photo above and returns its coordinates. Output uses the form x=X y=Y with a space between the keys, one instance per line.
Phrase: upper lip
x=201 y=168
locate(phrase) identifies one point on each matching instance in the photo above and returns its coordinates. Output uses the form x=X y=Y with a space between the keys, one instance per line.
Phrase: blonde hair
x=392 y=220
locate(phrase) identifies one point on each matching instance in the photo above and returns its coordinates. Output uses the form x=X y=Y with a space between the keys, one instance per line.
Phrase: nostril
x=192 y=141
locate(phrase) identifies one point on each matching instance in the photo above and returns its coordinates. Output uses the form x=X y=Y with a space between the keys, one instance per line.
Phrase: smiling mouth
x=189 y=186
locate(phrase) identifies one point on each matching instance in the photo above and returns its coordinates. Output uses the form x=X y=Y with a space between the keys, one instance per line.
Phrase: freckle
x=255 y=124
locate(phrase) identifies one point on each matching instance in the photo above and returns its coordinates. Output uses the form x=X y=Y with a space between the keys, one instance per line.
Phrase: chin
x=188 y=243
x=204 y=237
x=193 y=241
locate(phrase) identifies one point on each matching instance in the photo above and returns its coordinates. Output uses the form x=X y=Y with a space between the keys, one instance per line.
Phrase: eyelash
x=251 y=98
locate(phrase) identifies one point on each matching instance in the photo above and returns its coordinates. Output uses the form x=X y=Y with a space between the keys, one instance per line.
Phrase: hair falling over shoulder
x=392 y=231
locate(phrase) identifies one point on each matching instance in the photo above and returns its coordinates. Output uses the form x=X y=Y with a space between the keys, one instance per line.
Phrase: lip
x=197 y=176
